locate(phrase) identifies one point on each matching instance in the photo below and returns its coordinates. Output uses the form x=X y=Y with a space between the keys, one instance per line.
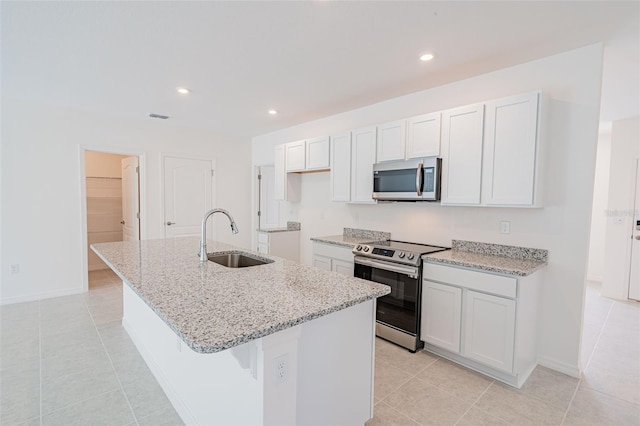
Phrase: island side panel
x=205 y=389
x=335 y=374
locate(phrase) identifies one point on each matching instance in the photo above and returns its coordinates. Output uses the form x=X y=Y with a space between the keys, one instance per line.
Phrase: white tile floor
x=68 y=361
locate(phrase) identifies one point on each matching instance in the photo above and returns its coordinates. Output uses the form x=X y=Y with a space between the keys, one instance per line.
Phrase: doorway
x=111 y=192
x=634 y=273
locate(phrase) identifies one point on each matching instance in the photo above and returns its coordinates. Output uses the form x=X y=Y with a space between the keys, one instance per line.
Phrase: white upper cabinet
x=423 y=136
x=510 y=151
x=341 y=167
x=296 y=156
x=280 y=180
x=462 y=130
x=317 y=153
x=391 y=141
x=363 y=156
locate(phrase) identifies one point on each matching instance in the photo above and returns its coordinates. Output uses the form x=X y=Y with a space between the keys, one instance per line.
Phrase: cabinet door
x=341 y=167
x=423 y=136
x=296 y=156
x=391 y=140
x=280 y=178
x=462 y=154
x=322 y=262
x=263 y=248
x=363 y=156
x=489 y=330
x=342 y=267
x=441 y=313
x=511 y=137
x=318 y=153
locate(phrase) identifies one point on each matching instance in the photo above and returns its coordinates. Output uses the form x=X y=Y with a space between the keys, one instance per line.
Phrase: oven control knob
x=401 y=255
x=410 y=257
x=366 y=249
x=358 y=247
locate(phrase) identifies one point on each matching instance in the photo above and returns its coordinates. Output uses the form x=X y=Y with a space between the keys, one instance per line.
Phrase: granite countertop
x=212 y=307
x=502 y=259
x=351 y=237
x=291 y=226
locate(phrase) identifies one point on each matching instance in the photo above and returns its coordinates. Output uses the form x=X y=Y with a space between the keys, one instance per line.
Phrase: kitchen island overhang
x=280 y=343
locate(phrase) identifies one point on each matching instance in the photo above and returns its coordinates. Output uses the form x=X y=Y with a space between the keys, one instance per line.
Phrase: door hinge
x=138 y=215
x=137 y=169
x=259 y=177
x=213 y=173
x=259 y=213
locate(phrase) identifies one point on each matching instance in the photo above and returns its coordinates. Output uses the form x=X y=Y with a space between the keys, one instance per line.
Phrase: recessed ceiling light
x=183 y=90
x=272 y=112
x=426 y=57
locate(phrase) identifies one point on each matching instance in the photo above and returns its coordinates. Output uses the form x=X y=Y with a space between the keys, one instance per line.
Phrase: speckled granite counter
x=212 y=307
x=351 y=237
x=291 y=226
x=502 y=259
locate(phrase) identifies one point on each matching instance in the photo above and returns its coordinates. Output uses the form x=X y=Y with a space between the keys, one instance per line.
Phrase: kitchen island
x=279 y=343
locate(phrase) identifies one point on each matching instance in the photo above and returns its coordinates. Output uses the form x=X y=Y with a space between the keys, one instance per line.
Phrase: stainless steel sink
x=237 y=259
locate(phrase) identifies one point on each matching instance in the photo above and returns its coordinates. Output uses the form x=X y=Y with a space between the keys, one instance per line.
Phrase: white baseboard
x=41 y=296
x=562 y=367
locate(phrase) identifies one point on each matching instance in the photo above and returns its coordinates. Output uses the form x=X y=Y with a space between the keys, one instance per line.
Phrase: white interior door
x=187 y=190
x=634 y=275
x=269 y=208
x=130 y=199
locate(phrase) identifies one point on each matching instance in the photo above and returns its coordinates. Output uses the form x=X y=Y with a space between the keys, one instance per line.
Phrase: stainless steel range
x=397 y=264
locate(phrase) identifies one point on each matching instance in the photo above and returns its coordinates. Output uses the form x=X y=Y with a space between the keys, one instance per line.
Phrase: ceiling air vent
x=160 y=116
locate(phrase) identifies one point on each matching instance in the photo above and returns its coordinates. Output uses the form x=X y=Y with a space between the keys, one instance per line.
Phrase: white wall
x=41 y=188
x=595 y=270
x=572 y=82
x=625 y=149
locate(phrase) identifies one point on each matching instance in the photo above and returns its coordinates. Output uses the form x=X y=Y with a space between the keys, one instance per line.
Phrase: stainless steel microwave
x=408 y=180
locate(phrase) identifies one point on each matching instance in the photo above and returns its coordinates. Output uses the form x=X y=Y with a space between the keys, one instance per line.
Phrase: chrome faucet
x=203 y=236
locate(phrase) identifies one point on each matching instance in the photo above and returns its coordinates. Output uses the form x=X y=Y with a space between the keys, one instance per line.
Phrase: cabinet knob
x=122 y=222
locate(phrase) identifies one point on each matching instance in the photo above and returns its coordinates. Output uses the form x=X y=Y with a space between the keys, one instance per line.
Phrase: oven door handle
x=406 y=270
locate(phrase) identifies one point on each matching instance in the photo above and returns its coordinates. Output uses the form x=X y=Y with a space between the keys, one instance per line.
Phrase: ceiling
x=307 y=59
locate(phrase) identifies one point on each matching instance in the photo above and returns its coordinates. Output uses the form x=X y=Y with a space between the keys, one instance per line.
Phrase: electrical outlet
x=15 y=268
x=505 y=227
x=281 y=368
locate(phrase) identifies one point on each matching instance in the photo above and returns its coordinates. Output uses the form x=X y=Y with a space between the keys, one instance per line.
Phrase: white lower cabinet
x=282 y=244
x=331 y=257
x=484 y=321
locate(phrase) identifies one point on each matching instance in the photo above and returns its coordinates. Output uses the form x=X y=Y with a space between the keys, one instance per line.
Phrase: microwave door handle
x=419 y=179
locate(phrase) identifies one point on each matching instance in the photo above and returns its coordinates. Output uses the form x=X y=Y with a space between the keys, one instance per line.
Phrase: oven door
x=400 y=308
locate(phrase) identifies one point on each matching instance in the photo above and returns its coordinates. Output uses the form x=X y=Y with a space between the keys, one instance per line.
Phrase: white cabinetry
x=295 y=156
x=510 y=151
x=489 y=329
x=331 y=257
x=462 y=154
x=441 y=313
x=423 y=136
x=318 y=153
x=391 y=141
x=282 y=244
x=363 y=156
x=482 y=320
x=341 y=167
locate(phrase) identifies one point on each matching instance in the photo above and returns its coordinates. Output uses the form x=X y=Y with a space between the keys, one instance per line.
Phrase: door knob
x=169 y=223
x=122 y=222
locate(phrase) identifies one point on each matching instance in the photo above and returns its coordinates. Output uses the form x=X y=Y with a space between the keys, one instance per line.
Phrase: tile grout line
x=135 y=418
x=474 y=404
x=575 y=392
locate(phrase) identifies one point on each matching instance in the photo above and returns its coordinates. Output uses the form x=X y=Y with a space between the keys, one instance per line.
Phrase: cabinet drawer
x=263 y=238
x=480 y=281
x=333 y=251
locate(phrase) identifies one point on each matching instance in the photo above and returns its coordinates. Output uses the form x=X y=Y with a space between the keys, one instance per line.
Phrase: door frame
x=214 y=180
x=142 y=163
